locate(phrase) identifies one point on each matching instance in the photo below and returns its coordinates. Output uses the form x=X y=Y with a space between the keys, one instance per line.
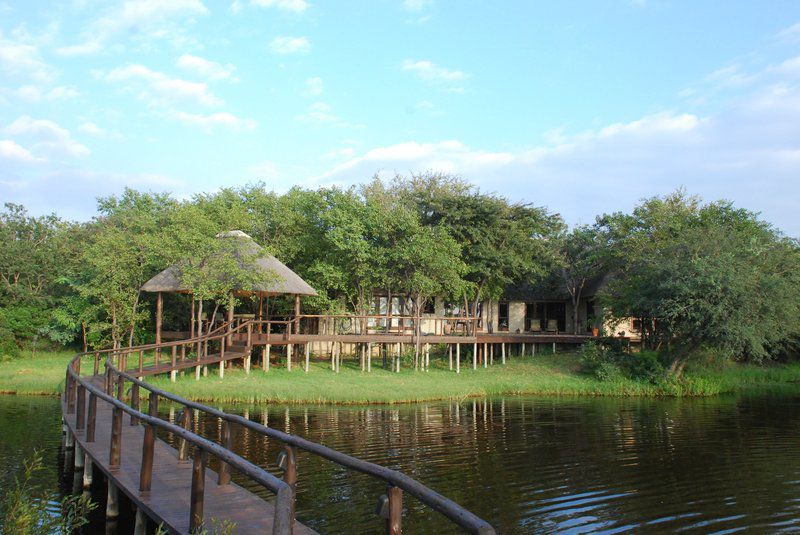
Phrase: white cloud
x=213 y=120
x=322 y=114
x=19 y=59
x=416 y=5
x=137 y=19
x=748 y=152
x=49 y=137
x=158 y=89
x=35 y=93
x=263 y=171
x=730 y=76
x=206 y=68
x=13 y=152
x=791 y=34
x=82 y=49
x=314 y=87
x=296 y=6
x=290 y=45
x=430 y=72
x=92 y=129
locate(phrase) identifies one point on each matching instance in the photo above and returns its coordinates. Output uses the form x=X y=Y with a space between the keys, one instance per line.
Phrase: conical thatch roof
x=277 y=278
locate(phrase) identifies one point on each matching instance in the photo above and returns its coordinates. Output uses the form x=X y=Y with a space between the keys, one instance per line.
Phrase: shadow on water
x=524 y=464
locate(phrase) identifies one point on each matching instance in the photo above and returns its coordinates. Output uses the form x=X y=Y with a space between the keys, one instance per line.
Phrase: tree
x=501 y=242
x=704 y=275
x=126 y=249
x=582 y=258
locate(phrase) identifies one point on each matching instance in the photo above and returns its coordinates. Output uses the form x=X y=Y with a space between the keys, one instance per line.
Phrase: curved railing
x=117 y=376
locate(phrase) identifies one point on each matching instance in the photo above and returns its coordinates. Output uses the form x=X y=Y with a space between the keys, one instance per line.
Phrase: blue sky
x=585 y=107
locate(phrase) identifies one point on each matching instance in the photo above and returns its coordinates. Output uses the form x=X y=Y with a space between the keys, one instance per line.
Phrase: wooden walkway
x=168 y=500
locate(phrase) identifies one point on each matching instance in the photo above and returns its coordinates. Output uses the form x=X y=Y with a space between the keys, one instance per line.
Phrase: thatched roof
x=277 y=278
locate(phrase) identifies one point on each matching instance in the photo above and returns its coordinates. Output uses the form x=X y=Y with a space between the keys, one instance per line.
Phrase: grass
x=42 y=374
x=547 y=375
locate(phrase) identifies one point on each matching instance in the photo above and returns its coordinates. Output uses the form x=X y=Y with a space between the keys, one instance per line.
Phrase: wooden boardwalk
x=168 y=500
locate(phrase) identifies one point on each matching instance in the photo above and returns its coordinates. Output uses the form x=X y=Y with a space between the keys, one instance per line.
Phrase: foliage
x=8 y=344
x=607 y=362
x=703 y=275
x=24 y=509
x=582 y=259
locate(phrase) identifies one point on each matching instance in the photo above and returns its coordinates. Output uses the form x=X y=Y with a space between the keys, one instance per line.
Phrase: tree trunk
x=133 y=319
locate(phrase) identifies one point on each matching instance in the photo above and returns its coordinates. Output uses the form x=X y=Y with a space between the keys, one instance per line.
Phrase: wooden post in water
x=186 y=423
x=225 y=442
x=394 y=520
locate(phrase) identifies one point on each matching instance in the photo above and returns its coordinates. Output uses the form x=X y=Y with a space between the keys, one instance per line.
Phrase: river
x=527 y=465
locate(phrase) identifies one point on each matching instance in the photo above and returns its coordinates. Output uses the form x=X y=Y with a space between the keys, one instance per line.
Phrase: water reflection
x=526 y=465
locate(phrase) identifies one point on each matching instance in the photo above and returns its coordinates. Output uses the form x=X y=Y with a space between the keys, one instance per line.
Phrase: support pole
x=458 y=358
x=140 y=527
x=159 y=318
x=87 y=471
x=503 y=351
x=475 y=356
x=265 y=358
x=450 y=355
x=308 y=355
x=369 y=357
x=112 y=501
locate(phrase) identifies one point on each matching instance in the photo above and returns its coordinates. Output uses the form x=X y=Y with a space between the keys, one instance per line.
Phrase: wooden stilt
x=265 y=363
x=554 y=348
x=503 y=352
x=450 y=356
x=288 y=357
x=112 y=501
x=458 y=358
x=522 y=353
x=308 y=355
x=369 y=357
x=485 y=355
x=475 y=356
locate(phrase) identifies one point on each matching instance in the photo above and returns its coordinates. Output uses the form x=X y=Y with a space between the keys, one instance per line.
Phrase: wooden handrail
x=116 y=374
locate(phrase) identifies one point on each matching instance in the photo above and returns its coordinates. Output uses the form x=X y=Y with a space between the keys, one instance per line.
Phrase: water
x=524 y=464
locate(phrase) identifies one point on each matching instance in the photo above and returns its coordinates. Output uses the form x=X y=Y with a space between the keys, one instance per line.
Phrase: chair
x=552 y=326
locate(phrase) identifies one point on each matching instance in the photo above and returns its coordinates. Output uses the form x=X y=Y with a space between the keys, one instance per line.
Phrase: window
x=502 y=316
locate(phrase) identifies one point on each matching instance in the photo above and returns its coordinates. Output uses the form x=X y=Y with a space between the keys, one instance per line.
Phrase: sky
x=584 y=107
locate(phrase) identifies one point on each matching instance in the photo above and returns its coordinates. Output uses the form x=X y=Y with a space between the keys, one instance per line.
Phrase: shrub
x=644 y=365
x=25 y=508
x=598 y=360
x=8 y=346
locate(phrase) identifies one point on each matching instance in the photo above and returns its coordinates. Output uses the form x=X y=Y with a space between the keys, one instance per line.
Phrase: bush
x=644 y=365
x=604 y=362
x=25 y=508
x=8 y=346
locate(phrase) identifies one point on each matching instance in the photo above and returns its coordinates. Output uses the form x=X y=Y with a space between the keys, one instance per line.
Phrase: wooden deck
x=168 y=501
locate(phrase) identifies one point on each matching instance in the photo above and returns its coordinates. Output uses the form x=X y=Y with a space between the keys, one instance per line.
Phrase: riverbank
x=545 y=375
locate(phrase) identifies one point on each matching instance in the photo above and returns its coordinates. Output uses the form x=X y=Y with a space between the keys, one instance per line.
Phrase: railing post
x=115 y=449
x=80 y=418
x=225 y=442
x=97 y=363
x=393 y=512
x=134 y=402
x=91 y=419
x=69 y=391
x=186 y=423
x=287 y=461
x=148 y=445
x=141 y=360
x=198 y=489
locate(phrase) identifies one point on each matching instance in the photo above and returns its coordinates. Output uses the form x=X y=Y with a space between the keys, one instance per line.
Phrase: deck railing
x=117 y=376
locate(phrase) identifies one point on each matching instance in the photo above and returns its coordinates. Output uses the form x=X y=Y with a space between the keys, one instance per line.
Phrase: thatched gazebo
x=270 y=277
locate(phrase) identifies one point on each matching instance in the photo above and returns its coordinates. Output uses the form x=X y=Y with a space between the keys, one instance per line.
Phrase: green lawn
x=43 y=374
x=553 y=375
